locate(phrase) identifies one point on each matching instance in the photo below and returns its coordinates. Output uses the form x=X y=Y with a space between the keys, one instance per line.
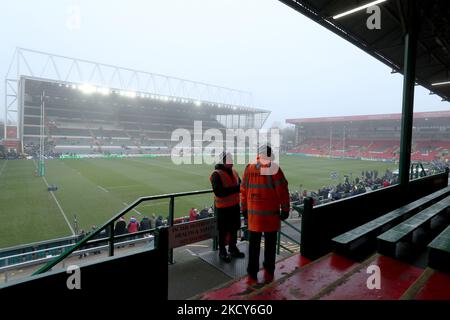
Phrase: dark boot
x=235 y=253
x=225 y=257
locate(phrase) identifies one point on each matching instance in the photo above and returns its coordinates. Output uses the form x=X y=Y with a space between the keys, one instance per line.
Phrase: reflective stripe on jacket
x=227 y=182
x=263 y=196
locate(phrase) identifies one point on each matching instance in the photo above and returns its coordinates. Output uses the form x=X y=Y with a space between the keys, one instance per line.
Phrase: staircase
x=334 y=277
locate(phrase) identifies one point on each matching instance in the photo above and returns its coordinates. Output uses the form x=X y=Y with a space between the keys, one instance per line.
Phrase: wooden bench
x=439 y=252
x=364 y=236
x=387 y=242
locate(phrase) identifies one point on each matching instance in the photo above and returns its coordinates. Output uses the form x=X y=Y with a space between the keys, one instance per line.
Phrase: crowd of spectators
x=368 y=181
x=147 y=223
x=206 y=212
x=438 y=166
x=122 y=228
x=134 y=226
x=32 y=149
x=10 y=155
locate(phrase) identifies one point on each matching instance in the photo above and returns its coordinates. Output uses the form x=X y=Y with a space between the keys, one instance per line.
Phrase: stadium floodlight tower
x=41 y=163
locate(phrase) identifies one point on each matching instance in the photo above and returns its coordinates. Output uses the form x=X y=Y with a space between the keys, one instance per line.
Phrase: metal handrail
x=5 y=269
x=71 y=244
x=110 y=224
x=35 y=252
x=45 y=259
x=37 y=244
x=290 y=238
x=292 y=226
x=296 y=207
x=286 y=248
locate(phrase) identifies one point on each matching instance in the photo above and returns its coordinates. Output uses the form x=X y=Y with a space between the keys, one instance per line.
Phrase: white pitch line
x=102 y=188
x=133 y=209
x=60 y=208
x=57 y=203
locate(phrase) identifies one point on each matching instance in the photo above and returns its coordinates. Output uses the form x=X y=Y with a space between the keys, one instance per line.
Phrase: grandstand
x=76 y=123
x=373 y=137
x=103 y=114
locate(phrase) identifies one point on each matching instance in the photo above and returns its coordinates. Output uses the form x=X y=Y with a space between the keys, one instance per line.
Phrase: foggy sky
x=293 y=67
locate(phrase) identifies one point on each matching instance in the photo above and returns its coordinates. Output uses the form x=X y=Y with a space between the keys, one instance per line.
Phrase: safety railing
x=38 y=250
x=32 y=251
x=110 y=226
x=53 y=251
x=281 y=233
x=82 y=253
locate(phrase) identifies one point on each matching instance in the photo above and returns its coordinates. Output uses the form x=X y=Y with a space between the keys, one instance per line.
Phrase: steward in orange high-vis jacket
x=225 y=182
x=265 y=200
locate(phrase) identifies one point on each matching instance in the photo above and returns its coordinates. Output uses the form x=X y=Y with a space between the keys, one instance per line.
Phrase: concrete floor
x=190 y=275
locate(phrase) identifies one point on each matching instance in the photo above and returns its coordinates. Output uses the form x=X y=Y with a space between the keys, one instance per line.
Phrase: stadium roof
x=375 y=117
x=386 y=44
x=63 y=89
x=92 y=77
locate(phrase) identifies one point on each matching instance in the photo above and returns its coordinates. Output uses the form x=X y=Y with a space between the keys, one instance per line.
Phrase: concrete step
x=395 y=278
x=431 y=285
x=334 y=277
x=239 y=289
x=305 y=283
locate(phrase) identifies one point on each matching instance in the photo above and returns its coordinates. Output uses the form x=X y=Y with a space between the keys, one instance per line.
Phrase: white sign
x=191 y=232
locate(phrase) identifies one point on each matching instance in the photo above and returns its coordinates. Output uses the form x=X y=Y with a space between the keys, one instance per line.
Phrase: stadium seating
x=79 y=129
x=387 y=242
x=439 y=251
x=424 y=151
x=350 y=242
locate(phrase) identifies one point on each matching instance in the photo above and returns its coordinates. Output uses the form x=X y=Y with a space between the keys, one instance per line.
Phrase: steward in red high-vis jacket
x=265 y=200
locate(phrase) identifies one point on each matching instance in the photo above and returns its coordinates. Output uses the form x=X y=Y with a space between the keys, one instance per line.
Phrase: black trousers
x=222 y=240
x=270 y=245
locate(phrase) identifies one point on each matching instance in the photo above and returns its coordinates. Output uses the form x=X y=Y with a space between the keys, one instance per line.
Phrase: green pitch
x=96 y=189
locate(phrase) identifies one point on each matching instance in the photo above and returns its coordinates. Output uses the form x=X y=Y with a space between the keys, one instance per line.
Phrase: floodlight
x=87 y=88
x=103 y=91
x=343 y=14
x=440 y=83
